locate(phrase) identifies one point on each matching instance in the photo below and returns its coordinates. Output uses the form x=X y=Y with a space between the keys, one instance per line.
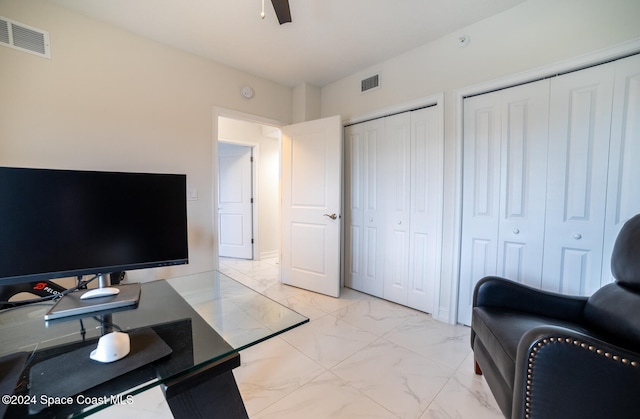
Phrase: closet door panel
x=480 y=195
x=373 y=219
x=580 y=118
x=353 y=193
x=623 y=192
x=396 y=172
x=426 y=207
x=525 y=122
x=364 y=235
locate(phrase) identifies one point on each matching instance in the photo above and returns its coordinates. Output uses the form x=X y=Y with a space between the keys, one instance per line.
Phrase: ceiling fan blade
x=282 y=10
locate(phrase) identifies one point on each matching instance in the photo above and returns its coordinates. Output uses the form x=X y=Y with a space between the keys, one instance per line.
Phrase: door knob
x=332 y=216
x=577 y=236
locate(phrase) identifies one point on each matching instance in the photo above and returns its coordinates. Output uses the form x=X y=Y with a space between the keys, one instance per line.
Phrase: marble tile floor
x=358 y=357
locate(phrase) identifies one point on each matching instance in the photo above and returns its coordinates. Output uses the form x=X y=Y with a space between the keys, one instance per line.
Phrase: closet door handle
x=332 y=216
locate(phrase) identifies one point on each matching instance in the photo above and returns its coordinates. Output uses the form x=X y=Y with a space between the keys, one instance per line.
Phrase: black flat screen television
x=63 y=223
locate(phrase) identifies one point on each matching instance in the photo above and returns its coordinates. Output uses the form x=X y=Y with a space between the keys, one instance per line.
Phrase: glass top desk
x=47 y=365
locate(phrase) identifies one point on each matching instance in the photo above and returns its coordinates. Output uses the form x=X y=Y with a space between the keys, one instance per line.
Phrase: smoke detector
x=246 y=92
x=463 y=41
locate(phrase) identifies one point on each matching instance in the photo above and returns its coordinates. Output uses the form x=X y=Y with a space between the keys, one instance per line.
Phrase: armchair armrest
x=564 y=373
x=498 y=292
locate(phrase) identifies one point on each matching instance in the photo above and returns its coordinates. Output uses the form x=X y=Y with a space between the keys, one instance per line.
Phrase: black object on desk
x=73 y=372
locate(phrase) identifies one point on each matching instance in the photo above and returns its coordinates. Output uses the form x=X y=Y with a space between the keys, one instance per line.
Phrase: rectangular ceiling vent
x=24 y=38
x=370 y=83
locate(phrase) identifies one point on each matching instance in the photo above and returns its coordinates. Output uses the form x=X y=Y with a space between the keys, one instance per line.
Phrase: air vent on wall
x=24 y=38
x=370 y=83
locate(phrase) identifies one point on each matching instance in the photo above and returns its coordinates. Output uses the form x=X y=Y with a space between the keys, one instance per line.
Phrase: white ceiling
x=327 y=40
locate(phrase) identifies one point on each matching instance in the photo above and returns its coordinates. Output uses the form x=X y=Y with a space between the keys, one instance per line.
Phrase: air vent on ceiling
x=23 y=37
x=370 y=83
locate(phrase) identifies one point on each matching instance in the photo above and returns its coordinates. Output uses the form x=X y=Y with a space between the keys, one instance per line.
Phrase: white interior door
x=364 y=207
x=480 y=196
x=505 y=169
x=397 y=192
x=393 y=194
x=523 y=176
x=579 y=128
x=235 y=201
x=311 y=205
x=427 y=156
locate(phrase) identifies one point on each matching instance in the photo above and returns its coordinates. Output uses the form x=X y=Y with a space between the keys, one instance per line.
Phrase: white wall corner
x=306 y=103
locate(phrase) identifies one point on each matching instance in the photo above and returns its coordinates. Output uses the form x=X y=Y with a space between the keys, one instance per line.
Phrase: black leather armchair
x=547 y=355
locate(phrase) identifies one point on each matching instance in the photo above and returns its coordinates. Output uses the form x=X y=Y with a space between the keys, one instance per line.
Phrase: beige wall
x=535 y=34
x=306 y=99
x=110 y=100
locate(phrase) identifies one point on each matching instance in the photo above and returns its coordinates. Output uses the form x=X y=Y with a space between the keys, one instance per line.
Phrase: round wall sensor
x=463 y=41
x=247 y=92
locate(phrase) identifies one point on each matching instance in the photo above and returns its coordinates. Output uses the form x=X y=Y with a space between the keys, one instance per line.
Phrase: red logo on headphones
x=40 y=286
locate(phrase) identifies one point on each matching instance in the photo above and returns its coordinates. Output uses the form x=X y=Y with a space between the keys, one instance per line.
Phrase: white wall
x=267 y=179
x=306 y=99
x=111 y=100
x=534 y=34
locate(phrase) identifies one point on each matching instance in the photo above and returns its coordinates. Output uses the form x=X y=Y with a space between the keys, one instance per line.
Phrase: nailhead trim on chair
x=574 y=342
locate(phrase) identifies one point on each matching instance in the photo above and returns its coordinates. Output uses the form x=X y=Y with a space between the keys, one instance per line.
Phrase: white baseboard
x=269 y=255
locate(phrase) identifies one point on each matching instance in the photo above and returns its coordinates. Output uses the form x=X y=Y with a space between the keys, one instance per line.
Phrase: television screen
x=60 y=223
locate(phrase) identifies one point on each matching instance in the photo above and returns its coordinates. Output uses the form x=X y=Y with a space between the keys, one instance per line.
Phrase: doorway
x=312 y=169
x=235 y=201
x=248 y=230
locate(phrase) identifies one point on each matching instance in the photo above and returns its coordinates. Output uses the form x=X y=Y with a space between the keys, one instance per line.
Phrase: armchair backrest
x=625 y=260
x=615 y=308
